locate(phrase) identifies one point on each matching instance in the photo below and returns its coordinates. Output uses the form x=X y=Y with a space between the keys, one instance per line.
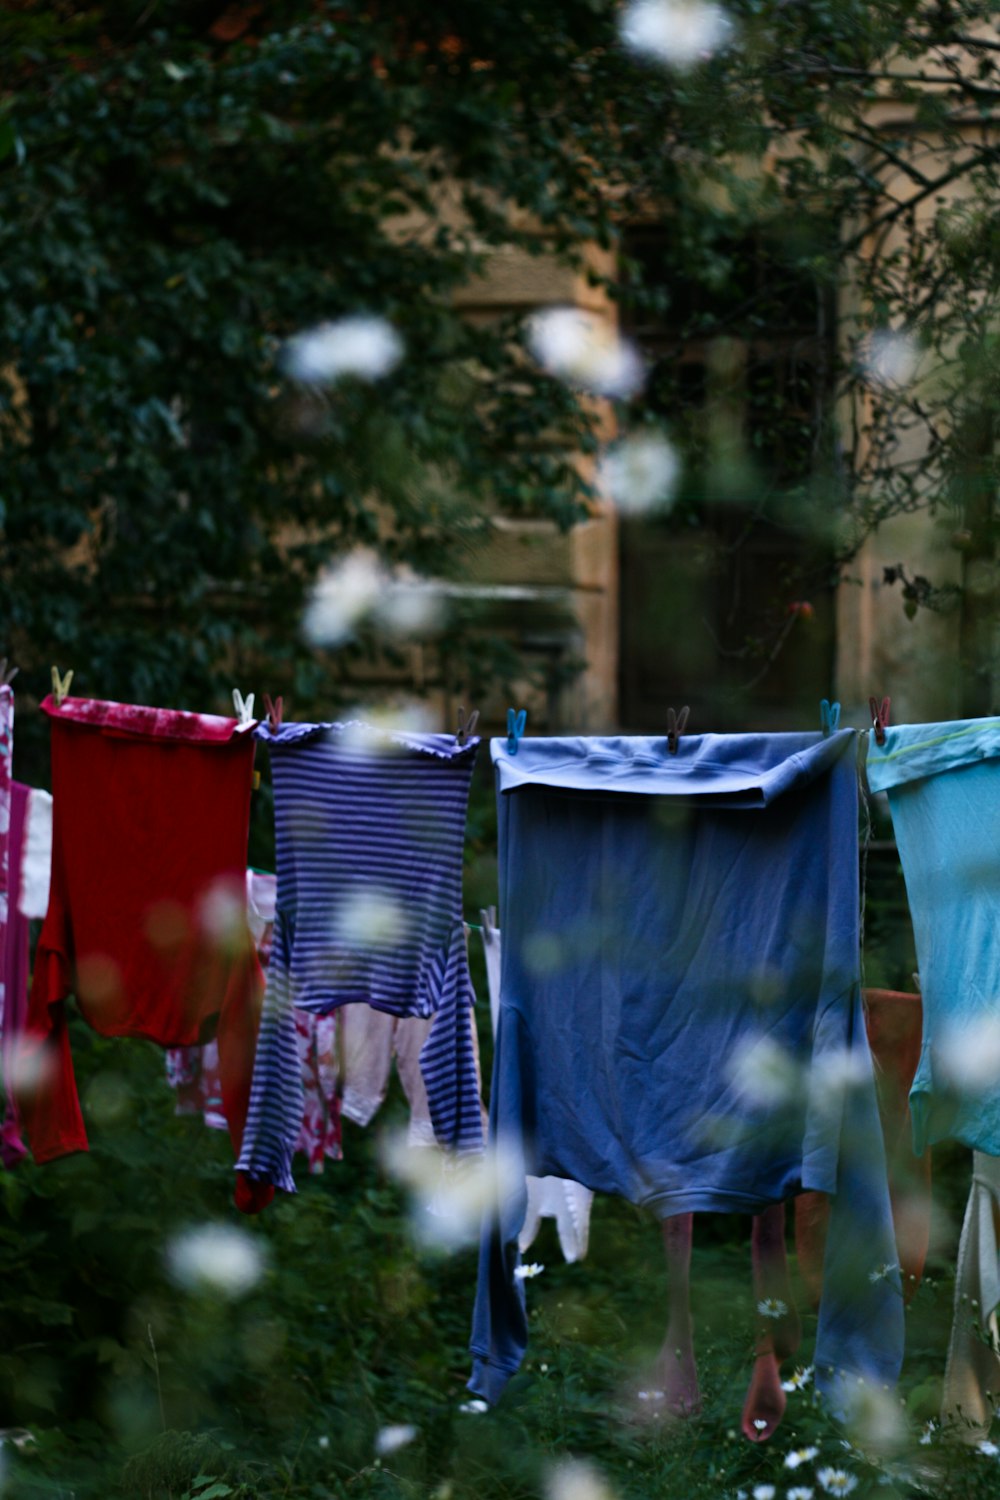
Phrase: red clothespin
x=675 y=727
x=275 y=710
x=880 y=717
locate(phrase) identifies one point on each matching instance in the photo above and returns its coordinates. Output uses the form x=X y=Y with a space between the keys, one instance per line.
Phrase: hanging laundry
x=369 y=832
x=36 y=854
x=194 y=1071
x=557 y=1198
x=9 y=942
x=146 y=924
x=680 y=1013
x=942 y=781
x=893 y=1024
x=972 y=1372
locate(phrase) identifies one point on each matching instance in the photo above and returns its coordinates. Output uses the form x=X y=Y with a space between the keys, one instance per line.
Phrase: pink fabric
x=149 y=723
x=14 y=956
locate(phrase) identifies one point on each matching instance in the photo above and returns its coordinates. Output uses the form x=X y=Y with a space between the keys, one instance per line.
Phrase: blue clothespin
x=515 y=728
x=829 y=716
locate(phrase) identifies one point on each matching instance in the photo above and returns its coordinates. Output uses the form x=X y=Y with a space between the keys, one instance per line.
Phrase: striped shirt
x=369 y=829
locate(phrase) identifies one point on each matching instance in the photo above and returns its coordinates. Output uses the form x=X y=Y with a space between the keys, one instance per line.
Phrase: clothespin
x=515 y=728
x=275 y=709
x=829 y=716
x=880 y=717
x=244 y=710
x=7 y=674
x=675 y=727
x=60 y=685
x=466 y=729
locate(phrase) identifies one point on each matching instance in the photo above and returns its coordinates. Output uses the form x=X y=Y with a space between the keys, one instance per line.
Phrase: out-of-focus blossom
x=215 y=1258
x=763 y=1072
x=679 y=33
x=576 y=1479
x=526 y=1273
x=760 y=1423
x=652 y=1395
x=890 y=359
x=799 y=1456
x=836 y=1481
x=360 y=586
x=640 y=473
x=323 y=1442
x=772 y=1307
x=365 y=347
x=474 y=1408
x=927 y=1436
x=882 y=1272
x=450 y=1196
x=369 y=918
x=389 y=1439
x=968 y=1056
x=874 y=1419
x=800 y=1492
x=585 y=351
x=838 y=1071
x=763 y=1491
x=987 y=1449
x=222 y=912
x=342 y=596
x=799 y=1380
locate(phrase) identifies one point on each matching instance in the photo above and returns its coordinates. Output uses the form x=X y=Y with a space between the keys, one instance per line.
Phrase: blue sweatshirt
x=680 y=1016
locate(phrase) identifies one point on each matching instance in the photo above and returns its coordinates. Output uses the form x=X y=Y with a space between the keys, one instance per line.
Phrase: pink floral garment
x=194 y=1071
x=6 y=759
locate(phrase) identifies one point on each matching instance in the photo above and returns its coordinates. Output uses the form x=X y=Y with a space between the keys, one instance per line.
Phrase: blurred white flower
x=449 y=1195
x=652 y=1395
x=526 y=1273
x=763 y=1491
x=639 y=473
x=772 y=1307
x=968 y=1056
x=987 y=1449
x=369 y=918
x=890 y=359
x=410 y=605
x=836 y=1481
x=837 y=1072
x=215 y=1258
x=323 y=1442
x=874 y=1419
x=576 y=1479
x=475 y=1408
x=679 y=33
x=800 y=1492
x=585 y=351
x=389 y=1439
x=222 y=912
x=760 y=1423
x=799 y=1380
x=882 y=1272
x=367 y=347
x=799 y=1456
x=763 y=1072
x=927 y=1436
x=342 y=596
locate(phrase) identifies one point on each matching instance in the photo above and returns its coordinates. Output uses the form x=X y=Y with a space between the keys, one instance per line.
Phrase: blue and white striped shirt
x=369 y=831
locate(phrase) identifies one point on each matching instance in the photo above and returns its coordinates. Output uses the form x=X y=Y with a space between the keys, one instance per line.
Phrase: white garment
x=556 y=1198
x=36 y=855
x=972 y=1373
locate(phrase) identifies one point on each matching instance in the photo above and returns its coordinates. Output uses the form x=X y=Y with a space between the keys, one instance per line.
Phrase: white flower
x=836 y=1481
x=585 y=350
x=216 y=1258
x=890 y=358
x=763 y=1491
x=760 y=1423
x=525 y=1273
x=800 y=1492
x=679 y=33
x=988 y=1449
x=763 y=1072
x=968 y=1056
x=450 y=1195
x=388 y=1439
x=652 y=1395
x=323 y=1442
x=410 y=605
x=799 y=1380
x=927 y=1436
x=475 y=1407
x=576 y=1479
x=800 y=1456
x=640 y=472
x=369 y=918
x=342 y=596
x=772 y=1307
x=882 y=1272
x=366 y=347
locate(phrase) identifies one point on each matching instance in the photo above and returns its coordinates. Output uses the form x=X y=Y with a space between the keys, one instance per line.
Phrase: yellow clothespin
x=60 y=685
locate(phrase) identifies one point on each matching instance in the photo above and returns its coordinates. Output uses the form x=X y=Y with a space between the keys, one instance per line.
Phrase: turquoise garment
x=943 y=782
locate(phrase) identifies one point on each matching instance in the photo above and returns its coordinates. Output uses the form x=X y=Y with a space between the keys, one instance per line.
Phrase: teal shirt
x=943 y=782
